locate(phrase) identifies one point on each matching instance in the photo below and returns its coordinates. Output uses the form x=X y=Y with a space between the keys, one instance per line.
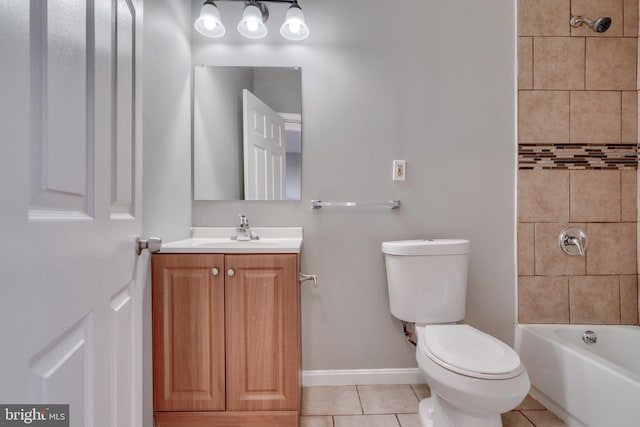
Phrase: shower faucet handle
x=573 y=241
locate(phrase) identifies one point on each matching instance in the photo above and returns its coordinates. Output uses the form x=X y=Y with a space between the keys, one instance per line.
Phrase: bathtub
x=595 y=385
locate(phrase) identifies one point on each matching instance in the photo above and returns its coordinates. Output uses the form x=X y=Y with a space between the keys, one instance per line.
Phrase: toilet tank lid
x=427 y=247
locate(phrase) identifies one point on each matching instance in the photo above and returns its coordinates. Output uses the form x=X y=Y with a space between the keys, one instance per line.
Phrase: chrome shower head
x=599 y=26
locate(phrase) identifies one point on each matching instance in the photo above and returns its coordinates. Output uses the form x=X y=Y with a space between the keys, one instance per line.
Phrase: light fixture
x=294 y=27
x=254 y=17
x=209 y=23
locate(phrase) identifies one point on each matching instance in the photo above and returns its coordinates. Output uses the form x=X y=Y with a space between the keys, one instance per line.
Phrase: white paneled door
x=264 y=150
x=70 y=156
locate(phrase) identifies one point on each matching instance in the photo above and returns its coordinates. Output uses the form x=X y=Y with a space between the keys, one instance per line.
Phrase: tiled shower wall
x=578 y=161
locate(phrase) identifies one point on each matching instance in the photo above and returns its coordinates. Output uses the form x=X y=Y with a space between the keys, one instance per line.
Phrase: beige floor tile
x=544 y=419
x=316 y=421
x=388 y=399
x=334 y=400
x=366 y=421
x=529 y=403
x=409 y=420
x=422 y=391
x=515 y=419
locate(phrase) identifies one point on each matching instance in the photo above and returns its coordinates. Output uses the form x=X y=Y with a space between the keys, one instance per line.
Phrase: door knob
x=152 y=244
x=215 y=271
x=230 y=272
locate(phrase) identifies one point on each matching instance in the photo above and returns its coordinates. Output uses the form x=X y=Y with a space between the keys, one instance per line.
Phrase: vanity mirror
x=247 y=133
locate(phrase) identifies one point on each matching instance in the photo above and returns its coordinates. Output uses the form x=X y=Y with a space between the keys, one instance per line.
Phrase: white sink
x=218 y=240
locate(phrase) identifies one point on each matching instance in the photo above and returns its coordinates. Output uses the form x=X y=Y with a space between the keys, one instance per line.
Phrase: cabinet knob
x=215 y=271
x=230 y=272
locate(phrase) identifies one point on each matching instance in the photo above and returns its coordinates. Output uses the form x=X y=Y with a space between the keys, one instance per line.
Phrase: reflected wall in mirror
x=247 y=133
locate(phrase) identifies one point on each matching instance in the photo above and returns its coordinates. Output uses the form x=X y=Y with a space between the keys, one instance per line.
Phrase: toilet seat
x=468 y=351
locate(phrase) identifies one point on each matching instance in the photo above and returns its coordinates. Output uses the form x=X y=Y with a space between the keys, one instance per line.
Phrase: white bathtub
x=595 y=385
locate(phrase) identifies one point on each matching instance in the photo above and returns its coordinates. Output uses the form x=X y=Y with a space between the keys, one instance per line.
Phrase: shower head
x=600 y=25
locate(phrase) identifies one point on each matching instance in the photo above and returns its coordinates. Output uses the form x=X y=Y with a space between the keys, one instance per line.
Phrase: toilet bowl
x=473 y=377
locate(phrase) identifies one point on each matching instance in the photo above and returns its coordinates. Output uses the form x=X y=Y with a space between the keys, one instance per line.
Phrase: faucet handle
x=573 y=241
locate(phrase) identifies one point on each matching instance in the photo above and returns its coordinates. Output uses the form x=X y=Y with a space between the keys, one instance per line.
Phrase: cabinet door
x=262 y=332
x=188 y=332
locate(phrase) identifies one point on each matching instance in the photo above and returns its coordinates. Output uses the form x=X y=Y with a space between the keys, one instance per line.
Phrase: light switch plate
x=399 y=170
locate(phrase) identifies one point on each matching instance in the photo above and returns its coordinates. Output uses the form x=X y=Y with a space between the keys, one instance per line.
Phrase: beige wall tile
x=543 y=18
x=559 y=63
x=549 y=258
x=525 y=62
x=611 y=63
x=525 y=249
x=543 y=195
x=611 y=248
x=629 y=195
x=594 y=9
x=629 y=300
x=630 y=117
x=543 y=299
x=630 y=18
x=543 y=116
x=595 y=116
x=595 y=195
x=594 y=299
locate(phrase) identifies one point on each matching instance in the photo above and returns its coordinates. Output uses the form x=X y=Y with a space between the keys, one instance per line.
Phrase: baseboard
x=362 y=377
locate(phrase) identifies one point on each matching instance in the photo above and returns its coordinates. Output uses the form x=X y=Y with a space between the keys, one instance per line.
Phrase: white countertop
x=218 y=240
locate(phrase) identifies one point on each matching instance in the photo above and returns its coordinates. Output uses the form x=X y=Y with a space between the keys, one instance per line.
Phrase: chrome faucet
x=573 y=241
x=243 y=231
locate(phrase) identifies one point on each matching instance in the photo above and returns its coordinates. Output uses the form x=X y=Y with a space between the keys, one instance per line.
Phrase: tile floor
x=394 y=406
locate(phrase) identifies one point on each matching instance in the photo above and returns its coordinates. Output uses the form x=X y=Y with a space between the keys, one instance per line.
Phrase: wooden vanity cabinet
x=226 y=340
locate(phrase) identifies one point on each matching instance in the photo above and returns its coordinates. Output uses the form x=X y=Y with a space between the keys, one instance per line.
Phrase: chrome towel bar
x=317 y=204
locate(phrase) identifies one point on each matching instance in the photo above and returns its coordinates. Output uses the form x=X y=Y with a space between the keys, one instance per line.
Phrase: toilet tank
x=427 y=279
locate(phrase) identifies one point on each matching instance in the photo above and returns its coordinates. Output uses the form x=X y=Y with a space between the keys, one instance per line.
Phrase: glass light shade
x=251 y=25
x=208 y=23
x=294 y=27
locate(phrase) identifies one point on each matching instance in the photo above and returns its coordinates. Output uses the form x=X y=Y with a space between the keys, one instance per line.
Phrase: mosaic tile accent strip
x=578 y=156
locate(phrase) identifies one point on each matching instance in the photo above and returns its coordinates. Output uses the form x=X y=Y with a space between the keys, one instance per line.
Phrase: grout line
x=414 y=392
x=360 y=400
x=333 y=421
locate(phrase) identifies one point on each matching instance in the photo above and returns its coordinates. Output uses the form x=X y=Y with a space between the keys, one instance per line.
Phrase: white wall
x=429 y=82
x=217 y=132
x=167 y=142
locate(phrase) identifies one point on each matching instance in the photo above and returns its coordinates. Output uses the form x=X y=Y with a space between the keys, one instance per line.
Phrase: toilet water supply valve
x=408 y=334
x=313 y=277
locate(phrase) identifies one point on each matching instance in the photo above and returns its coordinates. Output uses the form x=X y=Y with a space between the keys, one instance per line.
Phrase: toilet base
x=435 y=412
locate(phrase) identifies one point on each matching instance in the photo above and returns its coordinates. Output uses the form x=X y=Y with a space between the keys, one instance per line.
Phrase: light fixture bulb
x=294 y=27
x=208 y=23
x=252 y=23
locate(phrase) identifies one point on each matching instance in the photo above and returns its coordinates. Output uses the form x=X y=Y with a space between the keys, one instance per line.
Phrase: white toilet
x=473 y=376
